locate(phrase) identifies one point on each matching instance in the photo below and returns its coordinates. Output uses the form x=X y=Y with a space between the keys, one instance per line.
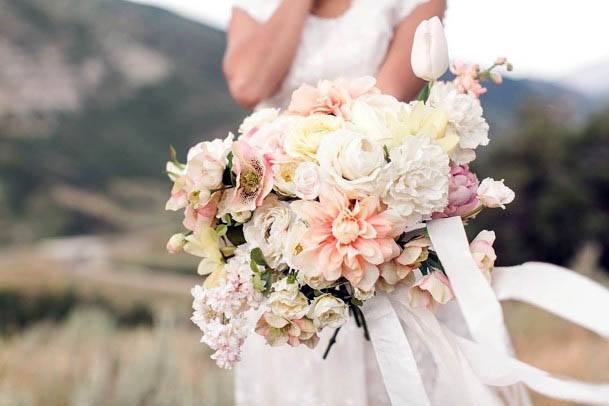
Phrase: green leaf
x=229 y=158
x=424 y=93
x=357 y=302
x=258 y=282
x=292 y=277
x=257 y=256
x=173 y=156
x=221 y=230
x=386 y=152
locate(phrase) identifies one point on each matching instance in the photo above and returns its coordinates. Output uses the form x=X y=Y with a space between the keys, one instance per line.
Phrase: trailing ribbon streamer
x=397 y=364
x=557 y=290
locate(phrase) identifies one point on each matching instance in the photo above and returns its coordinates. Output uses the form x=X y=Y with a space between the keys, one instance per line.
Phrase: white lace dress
x=351 y=45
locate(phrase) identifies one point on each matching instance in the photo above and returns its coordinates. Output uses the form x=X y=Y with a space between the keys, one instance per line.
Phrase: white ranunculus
x=287 y=301
x=429 y=56
x=493 y=193
x=351 y=162
x=306 y=181
x=258 y=119
x=268 y=229
x=416 y=180
x=217 y=149
x=283 y=178
x=465 y=119
x=328 y=311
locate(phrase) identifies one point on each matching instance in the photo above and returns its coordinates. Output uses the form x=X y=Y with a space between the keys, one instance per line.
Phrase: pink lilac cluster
x=220 y=312
x=462 y=192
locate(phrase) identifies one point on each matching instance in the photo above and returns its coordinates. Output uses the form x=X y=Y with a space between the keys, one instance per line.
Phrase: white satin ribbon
x=478 y=302
x=466 y=367
x=557 y=290
x=394 y=355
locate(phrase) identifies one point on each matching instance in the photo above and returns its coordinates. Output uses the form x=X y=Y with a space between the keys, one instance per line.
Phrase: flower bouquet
x=312 y=212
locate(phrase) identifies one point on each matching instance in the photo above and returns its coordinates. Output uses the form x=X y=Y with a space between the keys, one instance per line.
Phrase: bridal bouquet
x=309 y=212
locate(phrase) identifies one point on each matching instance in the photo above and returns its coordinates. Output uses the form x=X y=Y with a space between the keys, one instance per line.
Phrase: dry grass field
x=88 y=359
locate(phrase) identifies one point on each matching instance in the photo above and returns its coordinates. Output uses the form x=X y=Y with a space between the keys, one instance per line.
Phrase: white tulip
x=493 y=193
x=429 y=56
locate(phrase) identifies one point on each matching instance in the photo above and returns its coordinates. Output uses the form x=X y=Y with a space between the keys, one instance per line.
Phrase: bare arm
x=259 y=55
x=395 y=76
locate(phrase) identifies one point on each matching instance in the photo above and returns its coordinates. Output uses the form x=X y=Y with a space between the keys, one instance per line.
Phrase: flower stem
x=331 y=343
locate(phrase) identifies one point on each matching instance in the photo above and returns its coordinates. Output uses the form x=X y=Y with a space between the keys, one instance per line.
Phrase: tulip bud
x=176 y=243
x=429 y=50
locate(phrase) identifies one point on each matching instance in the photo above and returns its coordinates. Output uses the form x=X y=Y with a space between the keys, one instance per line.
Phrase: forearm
x=257 y=61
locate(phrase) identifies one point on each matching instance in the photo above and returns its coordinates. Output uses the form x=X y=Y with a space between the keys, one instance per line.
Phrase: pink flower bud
x=501 y=60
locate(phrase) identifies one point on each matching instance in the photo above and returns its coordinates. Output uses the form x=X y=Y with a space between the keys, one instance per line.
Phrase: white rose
x=268 y=229
x=287 y=300
x=258 y=119
x=306 y=181
x=464 y=120
x=328 y=311
x=493 y=193
x=351 y=162
x=416 y=180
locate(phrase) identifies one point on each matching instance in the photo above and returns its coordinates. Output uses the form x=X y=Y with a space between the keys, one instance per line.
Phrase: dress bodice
x=351 y=45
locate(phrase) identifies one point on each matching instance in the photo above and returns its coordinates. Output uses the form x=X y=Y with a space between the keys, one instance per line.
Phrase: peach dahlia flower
x=349 y=238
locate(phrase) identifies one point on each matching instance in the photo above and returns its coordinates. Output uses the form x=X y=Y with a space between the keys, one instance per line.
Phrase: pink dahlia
x=349 y=238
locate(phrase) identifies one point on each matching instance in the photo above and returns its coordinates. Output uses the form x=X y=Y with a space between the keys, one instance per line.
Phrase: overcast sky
x=543 y=38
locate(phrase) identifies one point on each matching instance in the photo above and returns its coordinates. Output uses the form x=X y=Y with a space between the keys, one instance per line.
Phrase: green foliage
x=561 y=179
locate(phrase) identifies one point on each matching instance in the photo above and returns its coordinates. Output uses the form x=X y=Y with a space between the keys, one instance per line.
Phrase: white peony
x=464 y=119
x=351 y=163
x=258 y=119
x=287 y=300
x=328 y=311
x=416 y=180
x=268 y=229
x=493 y=193
x=306 y=181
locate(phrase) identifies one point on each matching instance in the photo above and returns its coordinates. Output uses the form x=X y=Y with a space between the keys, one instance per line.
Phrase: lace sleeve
x=403 y=8
x=260 y=10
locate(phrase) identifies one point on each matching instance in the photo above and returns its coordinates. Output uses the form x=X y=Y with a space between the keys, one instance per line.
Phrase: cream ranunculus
x=493 y=193
x=328 y=311
x=268 y=229
x=283 y=177
x=429 y=56
x=465 y=120
x=287 y=301
x=416 y=180
x=306 y=133
x=351 y=163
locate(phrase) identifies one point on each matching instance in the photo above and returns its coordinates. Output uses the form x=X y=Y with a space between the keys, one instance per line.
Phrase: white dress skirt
x=351 y=45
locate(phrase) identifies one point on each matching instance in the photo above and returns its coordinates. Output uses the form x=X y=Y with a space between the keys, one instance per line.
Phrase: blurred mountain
x=92 y=92
x=591 y=80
